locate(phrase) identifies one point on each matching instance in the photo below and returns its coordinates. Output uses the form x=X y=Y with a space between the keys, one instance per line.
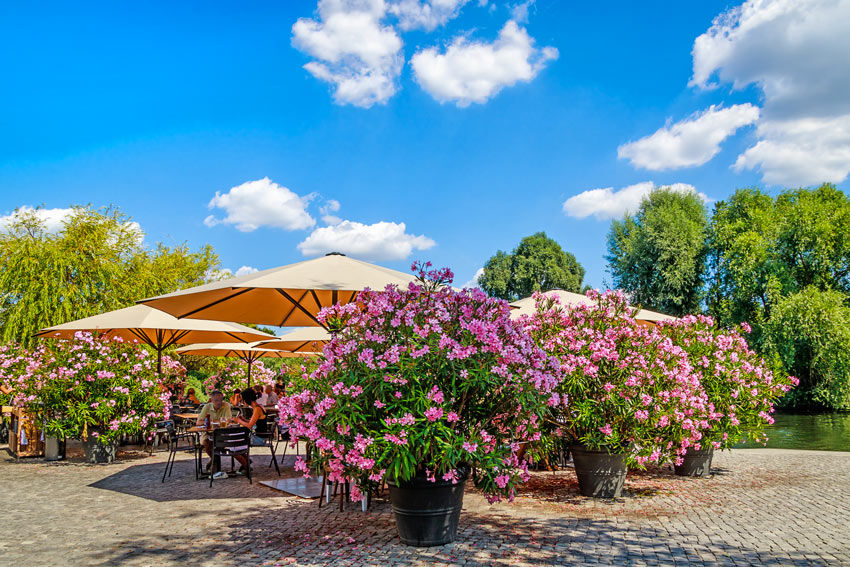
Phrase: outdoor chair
x=284 y=435
x=267 y=439
x=230 y=442
x=173 y=438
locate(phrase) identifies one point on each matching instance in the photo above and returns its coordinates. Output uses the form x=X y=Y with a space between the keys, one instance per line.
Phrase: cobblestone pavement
x=761 y=507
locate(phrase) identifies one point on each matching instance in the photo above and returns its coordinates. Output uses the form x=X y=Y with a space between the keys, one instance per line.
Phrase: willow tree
x=96 y=262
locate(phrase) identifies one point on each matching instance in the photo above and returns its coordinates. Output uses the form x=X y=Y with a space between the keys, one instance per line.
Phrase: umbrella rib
x=176 y=336
x=142 y=337
x=216 y=302
x=298 y=305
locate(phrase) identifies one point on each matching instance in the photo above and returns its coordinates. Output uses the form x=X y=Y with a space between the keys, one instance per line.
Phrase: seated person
x=271 y=396
x=191 y=398
x=217 y=410
x=236 y=399
x=262 y=397
x=258 y=422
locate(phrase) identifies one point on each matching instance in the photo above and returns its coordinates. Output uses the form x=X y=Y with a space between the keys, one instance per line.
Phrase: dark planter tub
x=97 y=452
x=600 y=474
x=427 y=513
x=696 y=463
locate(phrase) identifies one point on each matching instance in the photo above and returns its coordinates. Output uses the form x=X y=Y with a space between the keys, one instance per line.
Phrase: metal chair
x=232 y=442
x=173 y=444
x=284 y=435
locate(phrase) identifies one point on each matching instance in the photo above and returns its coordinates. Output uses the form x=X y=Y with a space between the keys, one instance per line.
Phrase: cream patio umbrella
x=527 y=306
x=155 y=328
x=306 y=340
x=247 y=352
x=288 y=296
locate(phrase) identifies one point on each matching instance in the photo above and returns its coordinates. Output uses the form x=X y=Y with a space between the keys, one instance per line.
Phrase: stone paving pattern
x=761 y=507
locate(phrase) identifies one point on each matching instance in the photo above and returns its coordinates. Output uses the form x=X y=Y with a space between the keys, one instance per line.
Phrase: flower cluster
x=422 y=382
x=93 y=383
x=233 y=377
x=624 y=385
x=740 y=386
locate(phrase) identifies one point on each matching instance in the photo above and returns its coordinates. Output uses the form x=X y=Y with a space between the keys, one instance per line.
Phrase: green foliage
x=96 y=263
x=809 y=332
x=763 y=249
x=537 y=264
x=658 y=254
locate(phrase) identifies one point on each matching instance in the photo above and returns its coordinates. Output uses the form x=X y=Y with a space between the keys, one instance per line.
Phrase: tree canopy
x=538 y=263
x=96 y=263
x=658 y=254
x=763 y=249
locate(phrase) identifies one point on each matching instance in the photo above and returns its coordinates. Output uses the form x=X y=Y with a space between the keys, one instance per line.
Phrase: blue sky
x=472 y=123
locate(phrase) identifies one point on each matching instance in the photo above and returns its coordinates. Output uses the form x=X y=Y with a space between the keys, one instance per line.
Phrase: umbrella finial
x=334 y=254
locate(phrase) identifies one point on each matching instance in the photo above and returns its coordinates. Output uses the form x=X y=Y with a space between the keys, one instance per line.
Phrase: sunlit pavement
x=761 y=507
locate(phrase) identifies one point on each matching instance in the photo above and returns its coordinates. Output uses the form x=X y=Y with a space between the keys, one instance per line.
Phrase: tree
x=658 y=254
x=538 y=263
x=809 y=333
x=97 y=262
x=763 y=249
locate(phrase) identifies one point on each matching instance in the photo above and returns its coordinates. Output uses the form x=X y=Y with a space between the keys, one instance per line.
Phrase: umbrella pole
x=249 y=371
x=159 y=362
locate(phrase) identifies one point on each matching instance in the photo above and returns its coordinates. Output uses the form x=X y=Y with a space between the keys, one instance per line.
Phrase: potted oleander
x=626 y=397
x=418 y=388
x=740 y=386
x=94 y=388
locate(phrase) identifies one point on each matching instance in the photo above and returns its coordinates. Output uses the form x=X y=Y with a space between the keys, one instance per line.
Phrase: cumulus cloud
x=474 y=281
x=261 y=203
x=795 y=51
x=519 y=12
x=352 y=50
x=379 y=241
x=473 y=71
x=245 y=270
x=690 y=142
x=425 y=14
x=607 y=204
x=331 y=206
x=53 y=219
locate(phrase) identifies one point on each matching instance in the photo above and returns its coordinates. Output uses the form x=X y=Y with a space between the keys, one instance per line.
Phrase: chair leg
x=248 y=456
x=274 y=459
x=167 y=460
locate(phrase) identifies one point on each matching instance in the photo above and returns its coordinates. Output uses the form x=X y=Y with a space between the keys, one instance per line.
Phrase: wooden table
x=188 y=416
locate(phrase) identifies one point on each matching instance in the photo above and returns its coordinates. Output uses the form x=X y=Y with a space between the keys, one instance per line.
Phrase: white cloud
x=806 y=151
x=326 y=210
x=606 y=204
x=796 y=52
x=53 y=219
x=519 y=12
x=262 y=203
x=379 y=241
x=354 y=51
x=425 y=14
x=691 y=142
x=472 y=71
x=245 y=270
x=474 y=281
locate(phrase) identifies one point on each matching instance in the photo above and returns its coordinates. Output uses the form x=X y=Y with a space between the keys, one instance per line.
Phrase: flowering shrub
x=739 y=385
x=85 y=384
x=422 y=382
x=173 y=373
x=234 y=377
x=624 y=386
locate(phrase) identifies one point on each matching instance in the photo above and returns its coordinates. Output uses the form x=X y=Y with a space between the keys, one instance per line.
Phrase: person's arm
x=204 y=412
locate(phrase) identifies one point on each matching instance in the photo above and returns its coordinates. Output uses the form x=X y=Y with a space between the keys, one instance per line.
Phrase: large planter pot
x=427 y=513
x=601 y=474
x=97 y=452
x=52 y=448
x=696 y=463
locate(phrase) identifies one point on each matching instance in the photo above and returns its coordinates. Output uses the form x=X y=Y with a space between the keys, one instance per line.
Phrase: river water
x=822 y=432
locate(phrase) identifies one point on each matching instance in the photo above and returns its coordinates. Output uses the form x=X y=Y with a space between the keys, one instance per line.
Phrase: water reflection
x=823 y=432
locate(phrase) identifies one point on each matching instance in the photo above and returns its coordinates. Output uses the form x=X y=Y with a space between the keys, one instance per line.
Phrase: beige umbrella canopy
x=308 y=340
x=247 y=352
x=527 y=306
x=154 y=328
x=288 y=296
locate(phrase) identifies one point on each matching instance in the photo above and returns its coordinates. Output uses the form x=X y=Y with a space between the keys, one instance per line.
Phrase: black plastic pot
x=97 y=452
x=427 y=513
x=696 y=463
x=601 y=474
